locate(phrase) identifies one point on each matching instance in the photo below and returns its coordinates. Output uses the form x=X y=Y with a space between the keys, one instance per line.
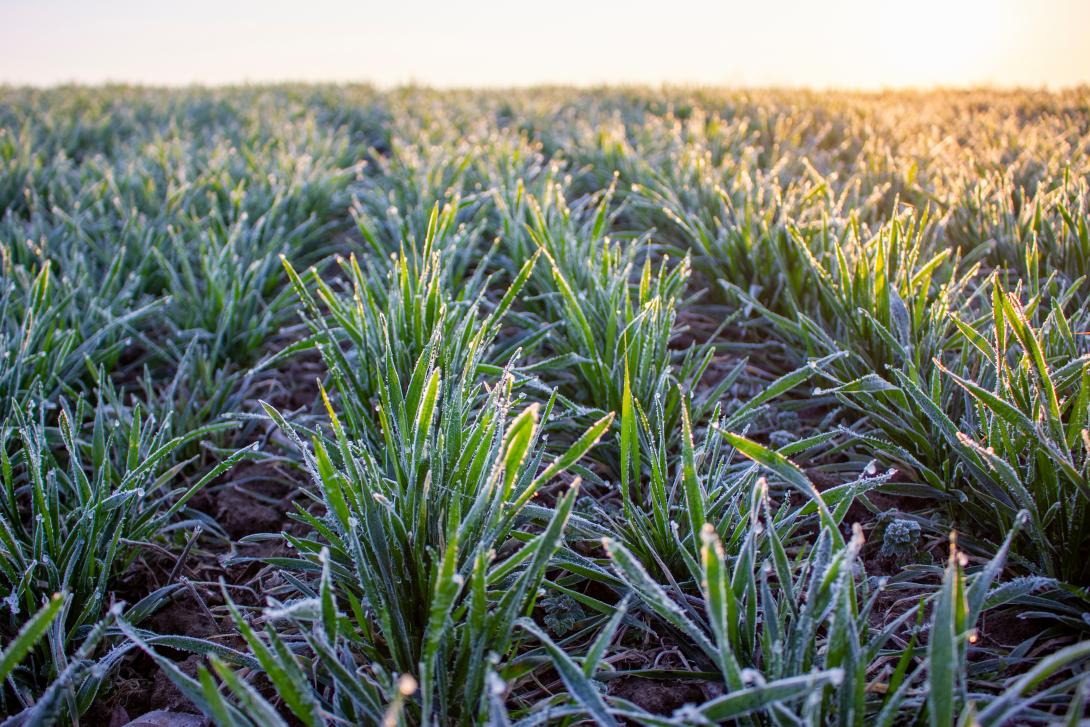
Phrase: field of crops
x=327 y=406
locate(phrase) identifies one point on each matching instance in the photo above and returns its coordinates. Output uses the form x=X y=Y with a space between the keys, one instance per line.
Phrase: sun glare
x=940 y=42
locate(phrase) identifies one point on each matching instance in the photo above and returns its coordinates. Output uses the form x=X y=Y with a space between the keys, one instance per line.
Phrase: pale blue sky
x=822 y=43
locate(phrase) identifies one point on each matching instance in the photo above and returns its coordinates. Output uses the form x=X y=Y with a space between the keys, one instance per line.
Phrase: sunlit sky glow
x=867 y=44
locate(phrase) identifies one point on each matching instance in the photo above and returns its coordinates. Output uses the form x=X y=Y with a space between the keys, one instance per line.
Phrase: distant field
x=331 y=406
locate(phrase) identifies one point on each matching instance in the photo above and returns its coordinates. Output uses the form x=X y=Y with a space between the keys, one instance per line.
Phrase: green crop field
x=336 y=406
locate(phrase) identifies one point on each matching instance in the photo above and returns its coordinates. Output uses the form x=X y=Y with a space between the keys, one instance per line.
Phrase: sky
x=854 y=44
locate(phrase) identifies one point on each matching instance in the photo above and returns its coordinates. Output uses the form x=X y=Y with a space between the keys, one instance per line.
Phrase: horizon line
x=864 y=89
